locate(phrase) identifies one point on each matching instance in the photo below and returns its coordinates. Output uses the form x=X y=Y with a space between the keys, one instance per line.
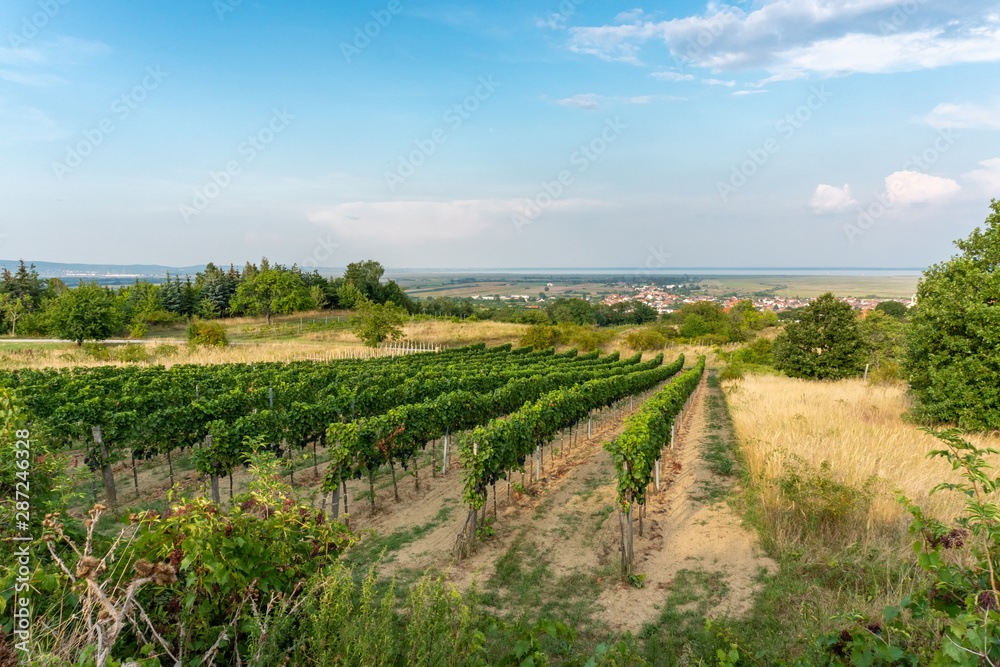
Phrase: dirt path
x=569 y=520
x=690 y=527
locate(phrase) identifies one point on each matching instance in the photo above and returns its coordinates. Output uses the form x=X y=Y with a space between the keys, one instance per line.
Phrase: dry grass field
x=859 y=430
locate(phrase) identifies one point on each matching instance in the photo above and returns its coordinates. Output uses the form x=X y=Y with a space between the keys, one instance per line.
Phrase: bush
x=817 y=502
x=645 y=339
x=207 y=333
x=156 y=318
x=138 y=329
x=539 y=337
x=127 y=353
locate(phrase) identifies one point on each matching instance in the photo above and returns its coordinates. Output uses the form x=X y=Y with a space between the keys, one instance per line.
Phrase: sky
x=580 y=133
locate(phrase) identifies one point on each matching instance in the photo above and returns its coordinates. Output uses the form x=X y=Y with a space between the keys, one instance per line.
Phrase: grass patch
x=363 y=555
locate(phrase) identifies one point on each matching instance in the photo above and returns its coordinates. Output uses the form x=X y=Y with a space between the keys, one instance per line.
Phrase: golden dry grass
x=859 y=430
x=169 y=354
x=440 y=332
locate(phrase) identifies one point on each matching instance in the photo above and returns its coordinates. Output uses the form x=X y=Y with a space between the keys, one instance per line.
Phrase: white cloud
x=793 y=37
x=873 y=54
x=988 y=177
x=913 y=187
x=672 y=76
x=629 y=16
x=718 y=82
x=428 y=221
x=593 y=102
x=831 y=199
x=588 y=101
x=749 y=92
x=964 y=116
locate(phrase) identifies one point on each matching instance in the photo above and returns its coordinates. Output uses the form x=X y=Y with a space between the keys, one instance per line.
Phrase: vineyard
x=489 y=413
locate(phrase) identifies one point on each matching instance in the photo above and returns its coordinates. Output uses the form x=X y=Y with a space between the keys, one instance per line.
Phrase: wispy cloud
x=672 y=76
x=791 y=38
x=595 y=102
x=988 y=177
x=964 y=116
x=718 y=82
x=749 y=92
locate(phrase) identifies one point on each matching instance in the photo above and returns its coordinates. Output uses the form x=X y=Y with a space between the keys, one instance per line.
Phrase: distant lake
x=683 y=270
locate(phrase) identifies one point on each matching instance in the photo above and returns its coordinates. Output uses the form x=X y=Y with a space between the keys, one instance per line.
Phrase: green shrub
x=207 y=333
x=156 y=318
x=129 y=353
x=817 y=502
x=645 y=339
x=138 y=329
x=539 y=336
x=97 y=351
x=165 y=350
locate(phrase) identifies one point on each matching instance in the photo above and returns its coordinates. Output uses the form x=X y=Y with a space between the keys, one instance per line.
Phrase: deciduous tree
x=88 y=312
x=825 y=343
x=953 y=355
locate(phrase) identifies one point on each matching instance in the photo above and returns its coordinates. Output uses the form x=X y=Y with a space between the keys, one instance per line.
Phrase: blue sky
x=516 y=134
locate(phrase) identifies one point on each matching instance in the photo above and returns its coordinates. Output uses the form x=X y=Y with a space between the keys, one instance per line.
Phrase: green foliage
x=953 y=355
x=201 y=332
x=825 y=344
x=376 y=323
x=356 y=621
x=138 y=329
x=818 y=501
x=540 y=336
x=892 y=309
x=576 y=311
x=885 y=337
x=646 y=339
x=271 y=291
x=267 y=541
x=646 y=433
x=953 y=619
x=88 y=312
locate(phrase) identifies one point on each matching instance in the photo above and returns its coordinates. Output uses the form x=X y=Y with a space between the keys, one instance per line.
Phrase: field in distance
x=453 y=285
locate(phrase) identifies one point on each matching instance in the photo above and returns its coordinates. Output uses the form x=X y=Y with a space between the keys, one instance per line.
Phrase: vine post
x=109 y=478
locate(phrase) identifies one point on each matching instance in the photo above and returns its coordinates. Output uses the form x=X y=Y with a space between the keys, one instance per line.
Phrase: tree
x=825 y=343
x=884 y=336
x=366 y=276
x=271 y=291
x=12 y=308
x=349 y=296
x=577 y=311
x=892 y=309
x=953 y=352
x=694 y=326
x=89 y=312
x=375 y=323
